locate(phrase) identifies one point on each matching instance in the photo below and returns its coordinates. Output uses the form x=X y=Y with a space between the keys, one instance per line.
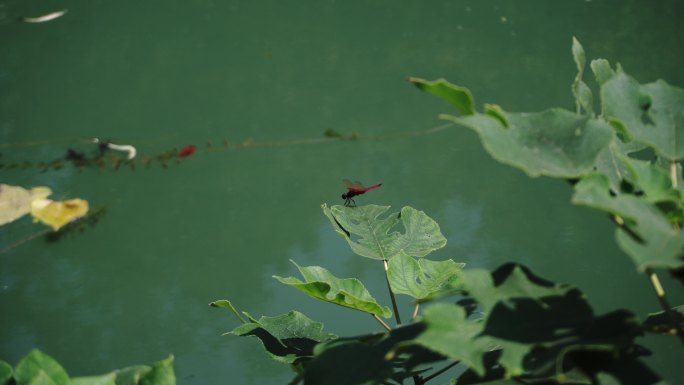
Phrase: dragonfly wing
x=352 y=185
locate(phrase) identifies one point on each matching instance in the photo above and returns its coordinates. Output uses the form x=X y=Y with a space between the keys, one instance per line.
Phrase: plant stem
x=665 y=304
x=383 y=323
x=394 y=300
x=673 y=173
x=415 y=310
x=437 y=373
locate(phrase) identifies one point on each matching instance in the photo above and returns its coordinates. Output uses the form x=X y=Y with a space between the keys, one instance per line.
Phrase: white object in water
x=44 y=18
x=120 y=147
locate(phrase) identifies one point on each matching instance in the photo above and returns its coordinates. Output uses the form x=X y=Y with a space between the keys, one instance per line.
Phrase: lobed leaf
x=421 y=278
x=553 y=142
x=375 y=237
x=657 y=243
x=651 y=113
x=288 y=337
x=319 y=283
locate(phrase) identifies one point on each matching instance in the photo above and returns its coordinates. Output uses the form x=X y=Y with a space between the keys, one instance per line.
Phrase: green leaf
x=225 y=304
x=663 y=321
x=459 y=97
x=450 y=333
x=319 y=283
x=652 y=113
x=602 y=70
x=131 y=375
x=161 y=373
x=657 y=243
x=420 y=278
x=37 y=368
x=553 y=142
x=348 y=363
x=105 y=379
x=650 y=179
x=288 y=337
x=508 y=282
x=5 y=373
x=583 y=97
x=375 y=238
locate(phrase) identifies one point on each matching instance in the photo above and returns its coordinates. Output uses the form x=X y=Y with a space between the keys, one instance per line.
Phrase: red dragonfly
x=354 y=189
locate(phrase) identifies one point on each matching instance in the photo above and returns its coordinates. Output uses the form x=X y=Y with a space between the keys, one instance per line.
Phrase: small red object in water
x=187 y=151
x=354 y=189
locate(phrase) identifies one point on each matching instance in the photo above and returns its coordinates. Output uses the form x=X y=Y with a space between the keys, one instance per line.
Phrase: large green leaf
x=105 y=379
x=652 y=113
x=647 y=236
x=651 y=180
x=449 y=332
x=508 y=282
x=553 y=142
x=373 y=237
x=369 y=359
x=420 y=278
x=5 y=372
x=459 y=97
x=288 y=337
x=37 y=368
x=319 y=283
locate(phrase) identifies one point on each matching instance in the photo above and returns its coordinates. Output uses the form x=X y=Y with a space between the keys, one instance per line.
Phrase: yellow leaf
x=56 y=214
x=15 y=201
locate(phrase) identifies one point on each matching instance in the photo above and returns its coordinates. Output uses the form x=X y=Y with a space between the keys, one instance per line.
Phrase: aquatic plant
x=508 y=326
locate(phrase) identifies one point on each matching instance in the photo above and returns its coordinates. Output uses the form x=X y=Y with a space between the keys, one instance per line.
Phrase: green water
x=161 y=75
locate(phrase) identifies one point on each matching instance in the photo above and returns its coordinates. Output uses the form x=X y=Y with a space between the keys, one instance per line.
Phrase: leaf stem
x=673 y=173
x=383 y=323
x=394 y=300
x=437 y=373
x=664 y=303
x=415 y=310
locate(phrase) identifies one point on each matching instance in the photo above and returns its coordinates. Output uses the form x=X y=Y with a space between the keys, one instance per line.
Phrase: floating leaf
x=349 y=292
x=37 y=368
x=105 y=379
x=652 y=113
x=420 y=278
x=15 y=201
x=553 y=142
x=459 y=97
x=375 y=241
x=288 y=337
x=57 y=214
x=658 y=243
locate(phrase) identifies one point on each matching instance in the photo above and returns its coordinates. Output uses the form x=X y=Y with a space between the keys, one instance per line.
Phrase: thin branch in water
x=383 y=323
x=394 y=300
